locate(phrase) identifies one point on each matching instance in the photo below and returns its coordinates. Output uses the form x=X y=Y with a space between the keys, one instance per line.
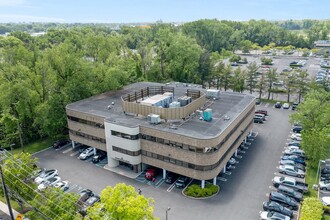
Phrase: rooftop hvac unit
x=175 y=105
x=213 y=93
x=184 y=100
x=153 y=119
x=207 y=114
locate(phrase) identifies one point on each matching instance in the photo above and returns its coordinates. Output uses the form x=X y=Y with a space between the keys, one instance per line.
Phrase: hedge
x=312 y=209
x=195 y=190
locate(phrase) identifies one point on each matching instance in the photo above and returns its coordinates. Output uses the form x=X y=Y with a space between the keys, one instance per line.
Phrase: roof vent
x=226 y=118
x=174 y=127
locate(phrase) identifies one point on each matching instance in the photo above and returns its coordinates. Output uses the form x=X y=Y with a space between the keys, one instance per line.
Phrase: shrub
x=312 y=209
x=195 y=190
x=326 y=209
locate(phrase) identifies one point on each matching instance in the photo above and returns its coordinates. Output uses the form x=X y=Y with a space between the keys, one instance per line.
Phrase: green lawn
x=38 y=145
x=326 y=217
x=310 y=179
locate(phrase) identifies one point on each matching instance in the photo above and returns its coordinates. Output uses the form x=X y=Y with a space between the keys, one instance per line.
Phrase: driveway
x=242 y=192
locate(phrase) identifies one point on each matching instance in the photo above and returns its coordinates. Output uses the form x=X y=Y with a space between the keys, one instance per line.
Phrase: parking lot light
x=318 y=170
x=167 y=210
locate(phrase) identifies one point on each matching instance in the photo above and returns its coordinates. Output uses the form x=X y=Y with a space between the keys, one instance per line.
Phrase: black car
x=171 y=178
x=85 y=194
x=290 y=192
x=295 y=105
x=278 y=105
x=100 y=155
x=325 y=170
x=258 y=101
x=182 y=182
x=325 y=176
x=60 y=143
x=284 y=200
x=89 y=202
x=276 y=207
x=297 y=129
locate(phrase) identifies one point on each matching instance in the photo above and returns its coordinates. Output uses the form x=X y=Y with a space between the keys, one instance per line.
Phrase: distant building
x=176 y=127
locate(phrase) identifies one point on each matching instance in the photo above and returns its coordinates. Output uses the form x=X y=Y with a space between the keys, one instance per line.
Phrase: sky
x=131 y=11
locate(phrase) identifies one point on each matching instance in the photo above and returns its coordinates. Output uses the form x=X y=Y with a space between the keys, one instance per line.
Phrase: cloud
x=28 y=18
x=13 y=3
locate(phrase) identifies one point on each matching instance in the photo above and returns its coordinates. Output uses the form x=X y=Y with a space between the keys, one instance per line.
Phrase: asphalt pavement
x=242 y=192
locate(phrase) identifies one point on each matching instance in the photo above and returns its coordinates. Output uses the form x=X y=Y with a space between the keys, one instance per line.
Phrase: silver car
x=292 y=171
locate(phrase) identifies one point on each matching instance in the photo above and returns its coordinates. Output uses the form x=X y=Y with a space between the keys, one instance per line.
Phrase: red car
x=151 y=173
x=259 y=111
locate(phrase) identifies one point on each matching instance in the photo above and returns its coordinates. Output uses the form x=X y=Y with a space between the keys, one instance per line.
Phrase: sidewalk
x=4 y=212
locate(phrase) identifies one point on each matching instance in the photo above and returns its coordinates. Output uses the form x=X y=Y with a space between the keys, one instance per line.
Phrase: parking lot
x=243 y=189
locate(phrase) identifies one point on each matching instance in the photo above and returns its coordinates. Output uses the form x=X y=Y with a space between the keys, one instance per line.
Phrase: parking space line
x=169 y=189
x=72 y=187
x=239 y=156
x=222 y=179
x=67 y=150
x=74 y=154
x=267 y=104
x=228 y=173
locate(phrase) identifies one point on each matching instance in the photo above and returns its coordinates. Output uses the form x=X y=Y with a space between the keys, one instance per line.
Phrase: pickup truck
x=290 y=182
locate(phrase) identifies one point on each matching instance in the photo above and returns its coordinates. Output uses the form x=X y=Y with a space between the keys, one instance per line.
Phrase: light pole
x=318 y=170
x=167 y=210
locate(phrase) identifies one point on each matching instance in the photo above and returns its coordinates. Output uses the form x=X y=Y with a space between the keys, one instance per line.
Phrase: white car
x=86 y=153
x=296 y=137
x=63 y=185
x=45 y=176
x=290 y=148
x=292 y=171
x=324 y=185
x=50 y=182
x=273 y=216
x=297 y=152
x=286 y=105
x=326 y=200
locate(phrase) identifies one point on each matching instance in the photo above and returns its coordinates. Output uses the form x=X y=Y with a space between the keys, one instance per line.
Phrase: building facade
x=182 y=141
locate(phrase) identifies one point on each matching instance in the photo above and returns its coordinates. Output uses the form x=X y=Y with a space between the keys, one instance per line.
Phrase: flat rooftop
x=224 y=110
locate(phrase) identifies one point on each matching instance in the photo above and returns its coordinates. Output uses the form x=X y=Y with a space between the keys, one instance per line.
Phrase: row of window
x=87 y=136
x=190 y=165
x=123 y=135
x=128 y=152
x=83 y=121
x=193 y=148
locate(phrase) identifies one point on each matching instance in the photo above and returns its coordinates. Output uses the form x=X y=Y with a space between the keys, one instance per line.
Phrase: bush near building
x=195 y=190
x=312 y=209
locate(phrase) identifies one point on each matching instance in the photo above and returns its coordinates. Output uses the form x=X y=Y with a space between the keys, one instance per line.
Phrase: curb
x=202 y=198
x=41 y=151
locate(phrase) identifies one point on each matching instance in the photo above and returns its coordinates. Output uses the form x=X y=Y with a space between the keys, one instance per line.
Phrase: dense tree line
x=39 y=76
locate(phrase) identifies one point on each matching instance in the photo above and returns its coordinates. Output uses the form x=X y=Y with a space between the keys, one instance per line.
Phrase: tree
x=266 y=61
x=261 y=85
x=311 y=209
x=301 y=83
x=225 y=78
x=251 y=76
x=235 y=58
x=238 y=80
x=246 y=46
x=290 y=83
x=270 y=78
x=121 y=202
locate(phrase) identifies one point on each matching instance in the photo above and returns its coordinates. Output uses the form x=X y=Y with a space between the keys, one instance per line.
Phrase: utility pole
x=6 y=194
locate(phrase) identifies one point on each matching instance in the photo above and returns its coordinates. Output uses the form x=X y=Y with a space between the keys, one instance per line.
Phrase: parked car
x=258 y=101
x=63 y=185
x=46 y=175
x=50 y=182
x=258 y=120
x=295 y=158
x=295 y=151
x=262 y=116
x=100 y=155
x=290 y=182
x=290 y=192
x=294 y=143
x=278 y=105
x=273 y=216
x=284 y=200
x=151 y=173
x=86 y=153
x=182 y=182
x=286 y=105
x=292 y=171
x=325 y=176
x=60 y=143
x=324 y=185
x=325 y=170
x=292 y=163
x=296 y=137
x=89 y=202
x=295 y=105
x=276 y=207
x=325 y=200
x=232 y=161
x=171 y=178
x=84 y=195
x=260 y=111
x=297 y=129
x=292 y=148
